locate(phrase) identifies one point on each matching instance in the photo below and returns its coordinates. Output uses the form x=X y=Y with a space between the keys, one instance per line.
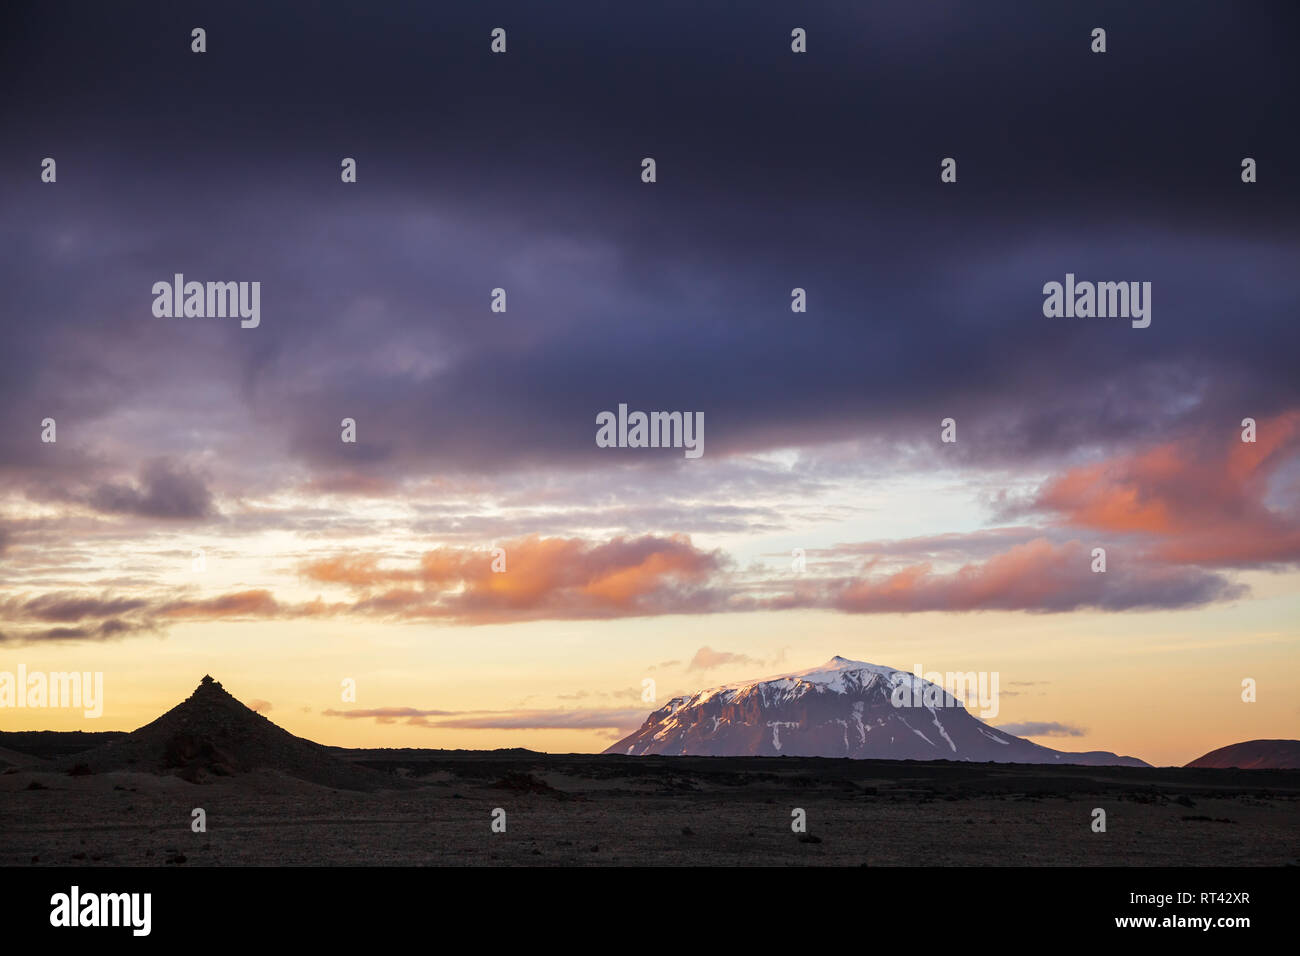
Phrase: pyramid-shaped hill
x=211 y=734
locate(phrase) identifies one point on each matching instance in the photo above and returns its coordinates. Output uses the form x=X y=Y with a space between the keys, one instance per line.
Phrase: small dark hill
x=211 y=734
x=1253 y=755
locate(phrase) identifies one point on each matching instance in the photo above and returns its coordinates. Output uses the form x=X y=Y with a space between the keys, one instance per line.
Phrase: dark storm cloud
x=103 y=631
x=163 y=491
x=775 y=171
x=68 y=607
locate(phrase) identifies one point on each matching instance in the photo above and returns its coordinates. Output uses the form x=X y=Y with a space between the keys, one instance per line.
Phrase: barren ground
x=582 y=810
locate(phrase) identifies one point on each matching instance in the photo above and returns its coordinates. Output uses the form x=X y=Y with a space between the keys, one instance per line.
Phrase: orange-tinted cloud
x=1168 y=516
x=1036 y=576
x=706 y=658
x=1199 y=502
x=542 y=578
x=256 y=603
x=353 y=570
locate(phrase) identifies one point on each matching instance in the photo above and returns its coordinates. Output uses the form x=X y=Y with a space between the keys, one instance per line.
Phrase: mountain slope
x=1253 y=755
x=842 y=709
x=211 y=733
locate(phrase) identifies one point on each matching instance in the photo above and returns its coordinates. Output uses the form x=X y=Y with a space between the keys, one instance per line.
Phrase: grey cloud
x=1042 y=729
x=164 y=490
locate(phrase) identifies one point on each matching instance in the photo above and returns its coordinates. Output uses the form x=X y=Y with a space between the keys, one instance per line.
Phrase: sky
x=826 y=515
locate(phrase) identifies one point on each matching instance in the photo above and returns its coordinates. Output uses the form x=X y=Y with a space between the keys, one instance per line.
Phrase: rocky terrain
x=271 y=798
x=603 y=810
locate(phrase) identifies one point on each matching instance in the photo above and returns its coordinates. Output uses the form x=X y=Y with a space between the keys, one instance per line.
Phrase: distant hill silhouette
x=50 y=744
x=1253 y=755
x=211 y=734
x=16 y=758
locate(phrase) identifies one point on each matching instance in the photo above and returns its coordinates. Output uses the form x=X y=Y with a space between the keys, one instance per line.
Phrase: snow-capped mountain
x=843 y=708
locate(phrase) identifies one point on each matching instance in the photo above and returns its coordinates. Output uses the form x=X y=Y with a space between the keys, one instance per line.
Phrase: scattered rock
x=523 y=783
